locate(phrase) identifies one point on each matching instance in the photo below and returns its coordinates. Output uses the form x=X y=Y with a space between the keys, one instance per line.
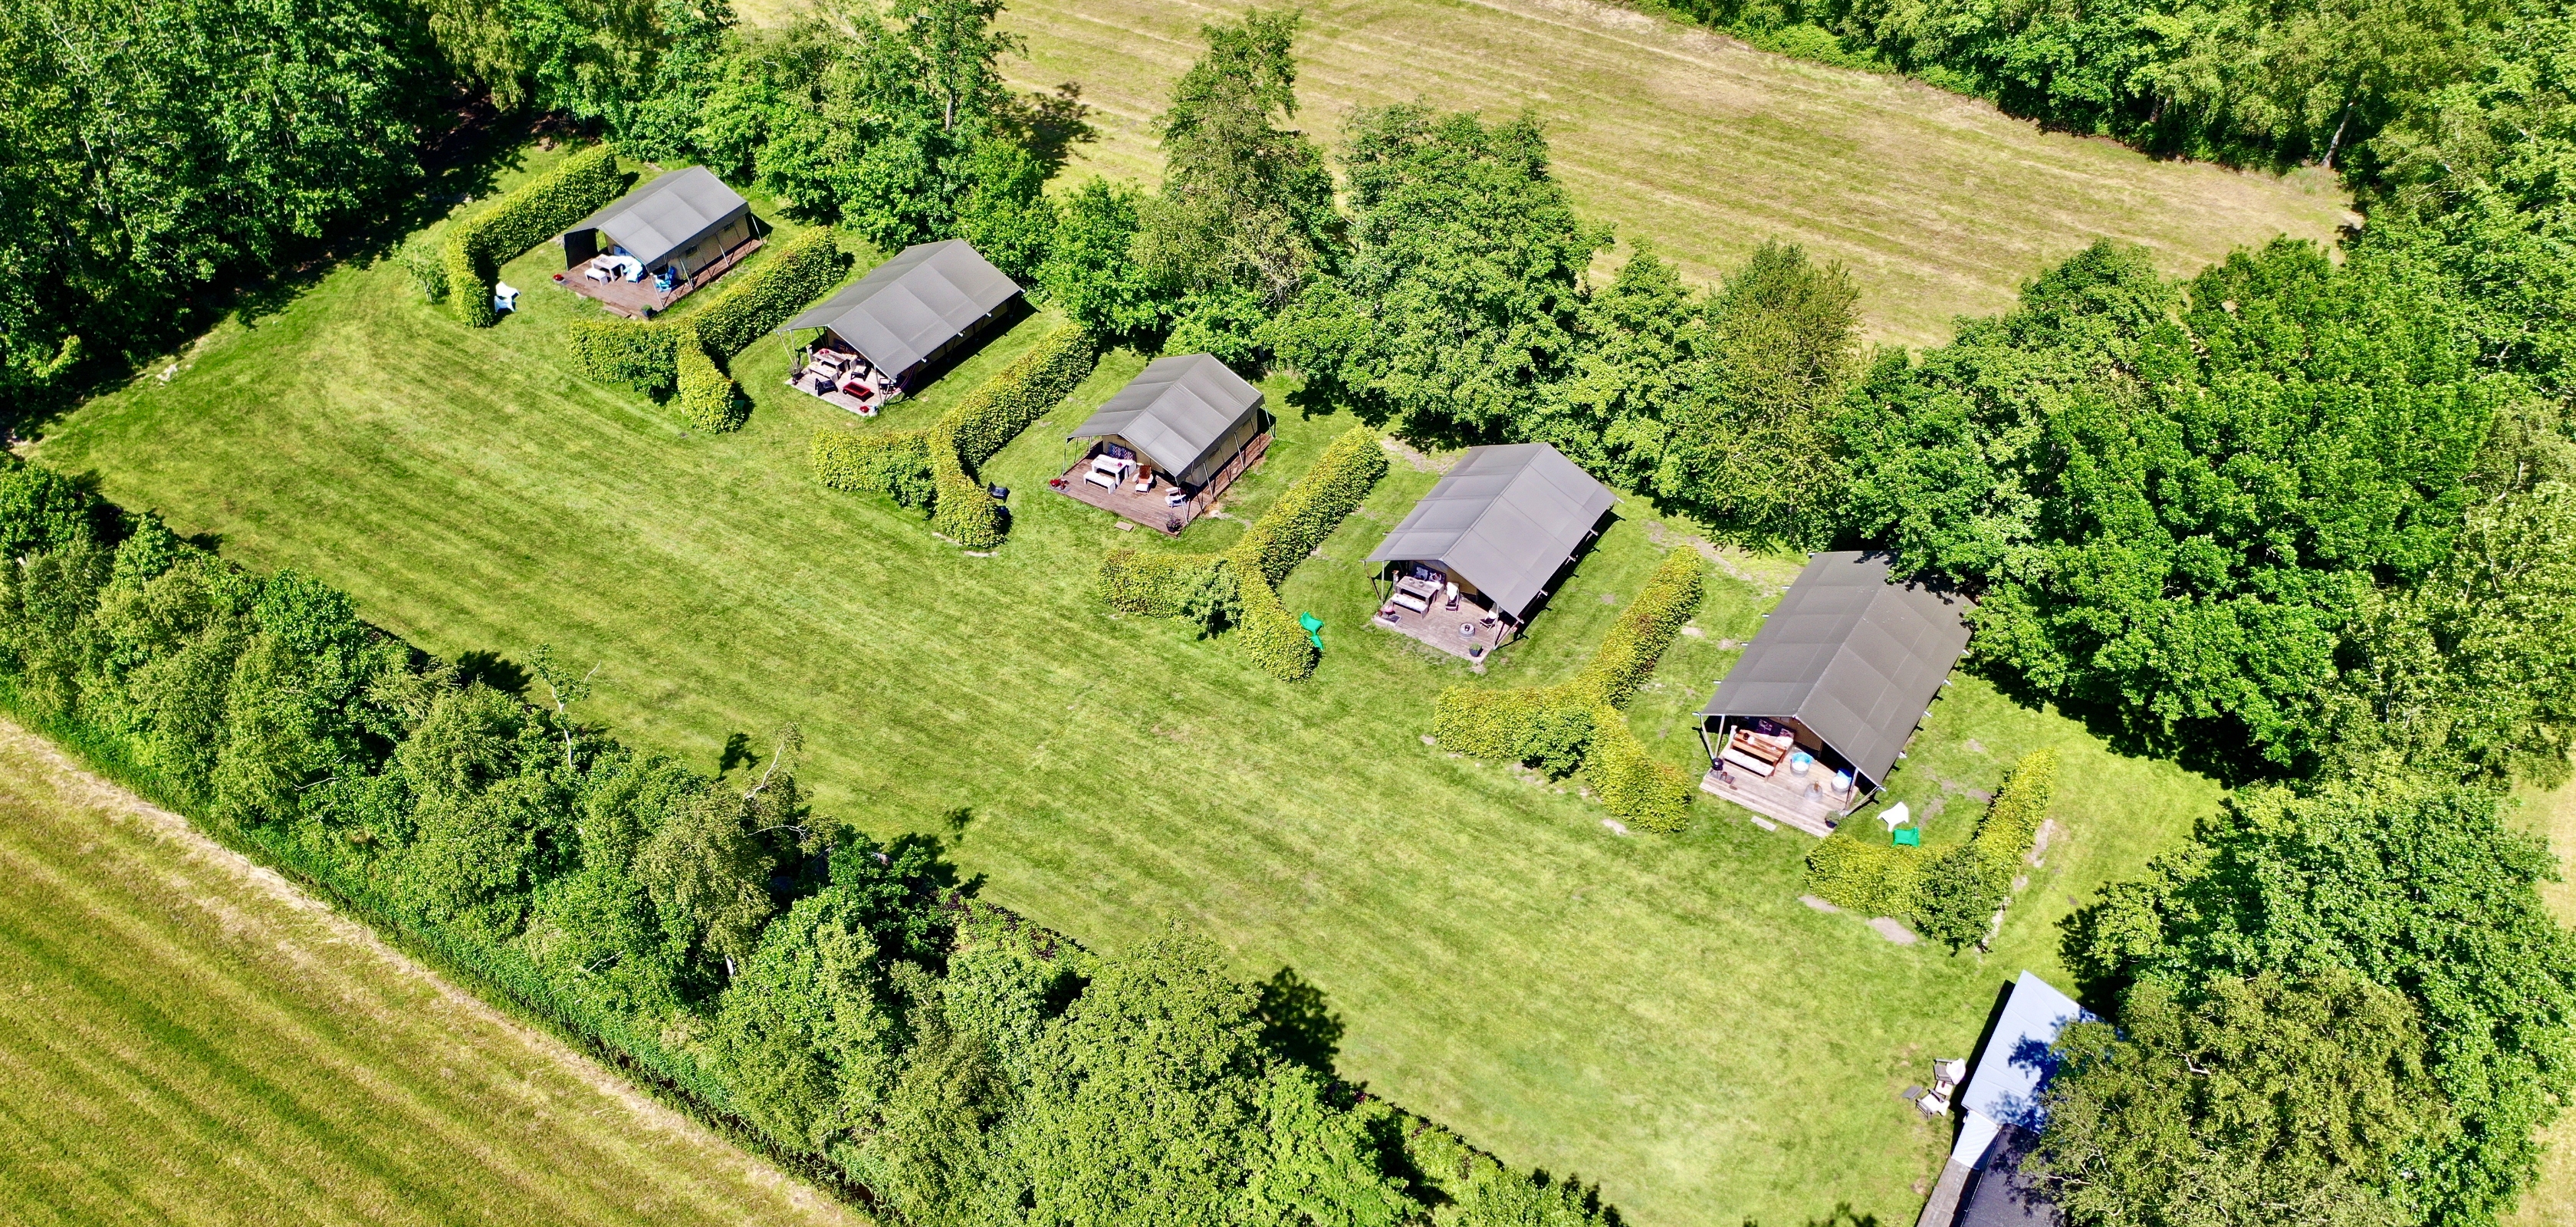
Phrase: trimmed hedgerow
x=1646 y=794
x=1239 y=588
x=1578 y=724
x=1864 y=875
x=1310 y=510
x=631 y=352
x=994 y=414
x=1951 y=905
x=2011 y=824
x=707 y=396
x=751 y=304
x=1645 y=629
x=537 y=210
x=966 y=436
x=893 y=462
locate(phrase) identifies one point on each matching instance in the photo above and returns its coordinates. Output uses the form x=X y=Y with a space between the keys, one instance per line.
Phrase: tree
x=2256 y=1100
x=2417 y=887
x=707 y=871
x=809 y=1032
x=1246 y=203
x=2174 y=514
x=1091 y=272
x=1465 y=290
x=1643 y=362
x=1754 y=451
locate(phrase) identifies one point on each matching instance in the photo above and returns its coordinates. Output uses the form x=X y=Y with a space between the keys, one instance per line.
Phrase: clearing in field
x=1940 y=205
x=186 y=1038
x=1660 y=1015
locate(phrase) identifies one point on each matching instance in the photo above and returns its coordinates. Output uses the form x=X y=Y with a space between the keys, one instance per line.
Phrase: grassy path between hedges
x=187 y=1038
x=1940 y=205
x=1659 y=1015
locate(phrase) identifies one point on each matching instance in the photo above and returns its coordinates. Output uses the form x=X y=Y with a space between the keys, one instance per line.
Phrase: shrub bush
x=1645 y=629
x=893 y=462
x=1636 y=789
x=1864 y=875
x=1554 y=728
x=1953 y=902
x=2011 y=824
x=538 y=210
x=994 y=414
x=708 y=398
x=1166 y=585
x=1310 y=510
x=1270 y=634
x=751 y=304
x=640 y=355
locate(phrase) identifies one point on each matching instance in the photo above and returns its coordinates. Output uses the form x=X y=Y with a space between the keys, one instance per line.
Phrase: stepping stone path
x=1818 y=904
x=1893 y=930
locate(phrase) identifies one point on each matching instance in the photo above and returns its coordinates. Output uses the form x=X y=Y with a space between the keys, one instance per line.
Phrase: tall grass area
x=1660 y=1015
x=184 y=1039
x=1940 y=205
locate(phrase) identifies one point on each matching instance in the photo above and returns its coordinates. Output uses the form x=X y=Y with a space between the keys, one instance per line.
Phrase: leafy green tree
x=487 y=815
x=1464 y=296
x=155 y=148
x=2175 y=514
x=1754 y=452
x=2255 y=1100
x=707 y=871
x=1091 y=272
x=1643 y=362
x=809 y=1032
x=1246 y=203
x=2421 y=888
x=932 y=1155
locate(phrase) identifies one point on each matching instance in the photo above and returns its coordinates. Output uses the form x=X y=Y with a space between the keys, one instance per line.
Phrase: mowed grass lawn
x=186 y=1039
x=1705 y=148
x=1660 y=1015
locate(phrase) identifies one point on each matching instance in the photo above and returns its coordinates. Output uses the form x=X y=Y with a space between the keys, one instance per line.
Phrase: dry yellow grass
x=187 y=1038
x=2553 y=1199
x=1940 y=205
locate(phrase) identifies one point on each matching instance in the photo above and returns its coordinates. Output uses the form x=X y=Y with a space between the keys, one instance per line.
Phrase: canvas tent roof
x=2016 y=1065
x=1178 y=410
x=662 y=216
x=1504 y=519
x=1852 y=656
x=907 y=308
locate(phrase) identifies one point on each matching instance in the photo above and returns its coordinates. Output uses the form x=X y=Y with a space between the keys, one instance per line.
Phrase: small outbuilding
x=1168 y=444
x=1818 y=709
x=1477 y=557
x=888 y=330
x=1983 y=1185
x=652 y=246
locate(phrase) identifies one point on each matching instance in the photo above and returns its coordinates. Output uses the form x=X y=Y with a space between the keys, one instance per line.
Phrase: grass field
x=1939 y=204
x=187 y=1039
x=1659 y=1015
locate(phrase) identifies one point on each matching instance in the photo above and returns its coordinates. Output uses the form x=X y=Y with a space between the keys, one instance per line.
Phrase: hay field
x=1940 y=205
x=185 y=1038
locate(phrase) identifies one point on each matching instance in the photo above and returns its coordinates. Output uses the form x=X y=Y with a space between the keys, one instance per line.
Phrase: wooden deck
x=638 y=299
x=1783 y=797
x=1439 y=628
x=796 y=379
x=1153 y=509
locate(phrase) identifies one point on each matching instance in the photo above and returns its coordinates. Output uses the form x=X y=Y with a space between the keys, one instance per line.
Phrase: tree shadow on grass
x=492 y=669
x=1296 y=1024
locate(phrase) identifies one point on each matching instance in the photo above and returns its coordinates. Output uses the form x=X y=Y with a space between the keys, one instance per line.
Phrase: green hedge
x=640 y=355
x=1579 y=723
x=707 y=396
x=948 y=451
x=1645 y=628
x=537 y=210
x=1156 y=585
x=1309 y=512
x=1865 y=874
x=751 y=304
x=890 y=462
x=1645 y=794
x=1239 y=588
x=994 y=414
